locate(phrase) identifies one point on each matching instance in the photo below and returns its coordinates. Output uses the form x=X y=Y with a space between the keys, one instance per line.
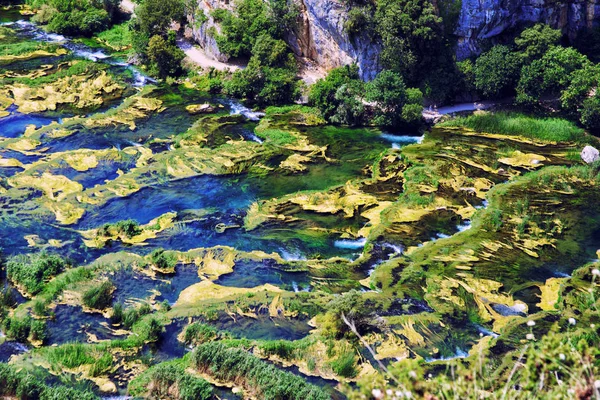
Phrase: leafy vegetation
x=32 y=271
x=81 y=18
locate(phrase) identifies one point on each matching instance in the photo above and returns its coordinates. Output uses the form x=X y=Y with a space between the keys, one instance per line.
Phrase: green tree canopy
x=534 y=42
x=497 y=71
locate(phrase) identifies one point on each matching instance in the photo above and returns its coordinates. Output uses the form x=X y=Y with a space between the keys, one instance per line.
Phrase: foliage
x=323 y=93
x=410 y=32
x=251 y=20
x=165 y=56
x=395 y=105
x=99 y=297
x=269 y=78
x=550 y=74
x=163 y=260
x=534 y=42
x=32 y=271
x=497 y=71
x=129 y=228
x=153 y=17
x=234 y=364
x=83 y=18
x=544 y=129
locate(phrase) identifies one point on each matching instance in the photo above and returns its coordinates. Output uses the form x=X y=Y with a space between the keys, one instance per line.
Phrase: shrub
x=165 y=56
x=322 y=93
x=31 y=271
x=497 y=71
x=163 y=260
x=99 y=297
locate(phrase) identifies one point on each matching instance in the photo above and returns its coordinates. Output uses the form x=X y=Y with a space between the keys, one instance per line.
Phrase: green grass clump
x=162 y=380
x=163 y=260
x=32 y=271
x=237 y=365
x=118 y=37
x=70 y=355
x=515 y=124
x=24 y=47
x=23 y=384
x=99 y=297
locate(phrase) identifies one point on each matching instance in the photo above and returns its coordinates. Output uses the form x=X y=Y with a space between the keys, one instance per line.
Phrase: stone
x=590 y=154
x=194 y=109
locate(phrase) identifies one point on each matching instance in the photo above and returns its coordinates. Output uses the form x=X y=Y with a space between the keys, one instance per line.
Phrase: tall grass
x=515 y=124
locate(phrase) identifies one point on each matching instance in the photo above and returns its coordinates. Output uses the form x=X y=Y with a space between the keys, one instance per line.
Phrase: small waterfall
x=239 y=109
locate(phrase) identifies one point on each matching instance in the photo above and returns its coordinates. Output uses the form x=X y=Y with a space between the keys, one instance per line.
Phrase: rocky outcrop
x=590 y=154
x=201 y=23
x=486 y=19
x=321 y=37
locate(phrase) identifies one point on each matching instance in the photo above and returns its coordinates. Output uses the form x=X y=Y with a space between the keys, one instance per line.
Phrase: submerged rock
x=590 y=154
x=194 y=109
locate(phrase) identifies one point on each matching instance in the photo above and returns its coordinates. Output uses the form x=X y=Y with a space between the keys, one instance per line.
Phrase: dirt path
x=200 y=58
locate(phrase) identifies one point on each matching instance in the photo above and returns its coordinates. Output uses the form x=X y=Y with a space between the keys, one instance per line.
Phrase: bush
x=99 y=297
x=270 y=77
x=497 y=72
x=550 y=74
x=391 y=97
x=163 y=260
x=165 y=56
x=31 y=271
x=322 y=94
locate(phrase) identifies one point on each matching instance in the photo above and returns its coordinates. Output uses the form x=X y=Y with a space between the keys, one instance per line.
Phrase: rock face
x=590 y=154
x=484 y=19
x=321 y=37
x=198 y=30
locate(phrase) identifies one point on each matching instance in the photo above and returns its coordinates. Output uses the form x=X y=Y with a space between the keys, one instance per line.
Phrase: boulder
x=590 y=154
x=200 y=109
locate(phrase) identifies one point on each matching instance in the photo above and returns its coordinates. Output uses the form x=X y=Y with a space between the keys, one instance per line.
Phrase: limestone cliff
x=320 y=35
x=201 y=23
x=486 y=19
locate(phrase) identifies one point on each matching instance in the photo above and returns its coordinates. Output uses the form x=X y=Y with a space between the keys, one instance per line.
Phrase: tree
x=323 y=93
x=590 y=113
x=270 y=77
x=583 y=83
x=534 y=42
x=411 y=34
x=155 y=16
x=391 y=96
x=549 y=75
x=166 y=57
x=497 y=71
x=351 y=109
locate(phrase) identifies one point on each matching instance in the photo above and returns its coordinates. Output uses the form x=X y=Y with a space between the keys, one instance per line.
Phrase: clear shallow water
x=14 y=125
